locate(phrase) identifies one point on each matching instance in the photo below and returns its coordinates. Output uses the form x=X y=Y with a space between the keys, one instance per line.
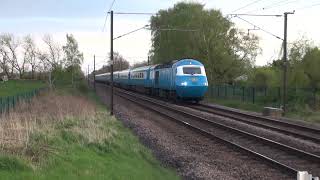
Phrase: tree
x=119 y=62
x=139 y=64
x=52 y=59
x=188 y=30
x=10 y=46
x=4 y=61
x=73 y=57
x=103 y=69
x=265 y=76
x=30 y=54
x=311 y=65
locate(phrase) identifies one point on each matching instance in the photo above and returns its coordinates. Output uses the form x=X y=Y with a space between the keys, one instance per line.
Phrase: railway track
x=289 y=159
x=291 y=129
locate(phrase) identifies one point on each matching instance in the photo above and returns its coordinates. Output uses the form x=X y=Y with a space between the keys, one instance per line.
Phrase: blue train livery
x=183 y=79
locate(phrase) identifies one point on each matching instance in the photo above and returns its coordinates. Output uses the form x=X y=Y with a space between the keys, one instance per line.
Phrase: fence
x=9 y=102
x=267 y=96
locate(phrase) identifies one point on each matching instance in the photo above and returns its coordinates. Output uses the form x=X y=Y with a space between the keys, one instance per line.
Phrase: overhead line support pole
x=88 y=76
x=285 y=63
x=94 y=72
x=111 y=63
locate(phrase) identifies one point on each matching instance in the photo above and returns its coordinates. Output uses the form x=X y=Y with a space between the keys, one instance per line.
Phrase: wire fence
x=266 y=96
x=9 y=102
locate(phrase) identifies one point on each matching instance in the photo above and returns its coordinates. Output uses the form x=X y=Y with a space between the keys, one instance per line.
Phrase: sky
x=85 y=20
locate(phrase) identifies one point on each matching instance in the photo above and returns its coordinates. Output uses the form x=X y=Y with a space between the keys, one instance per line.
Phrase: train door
x=156 y=78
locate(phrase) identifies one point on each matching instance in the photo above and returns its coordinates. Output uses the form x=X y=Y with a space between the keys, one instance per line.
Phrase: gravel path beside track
x=194 y=156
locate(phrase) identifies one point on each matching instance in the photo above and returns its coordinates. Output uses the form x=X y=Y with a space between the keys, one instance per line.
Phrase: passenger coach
x=184 y=79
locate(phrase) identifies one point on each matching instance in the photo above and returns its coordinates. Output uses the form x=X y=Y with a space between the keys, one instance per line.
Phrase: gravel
x=192 y=155
x=269 y=134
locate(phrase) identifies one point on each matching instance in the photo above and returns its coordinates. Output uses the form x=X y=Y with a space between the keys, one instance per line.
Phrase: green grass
x=64 y=150
x=300 y=113
x=237 y=104
x=13 y=87
x=306 y=115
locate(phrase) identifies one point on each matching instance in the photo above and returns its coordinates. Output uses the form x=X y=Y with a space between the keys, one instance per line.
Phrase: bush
x=83 y=87
x=8 y=163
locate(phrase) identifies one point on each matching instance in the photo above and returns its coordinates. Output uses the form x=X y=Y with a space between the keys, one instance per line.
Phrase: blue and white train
x=184 y=79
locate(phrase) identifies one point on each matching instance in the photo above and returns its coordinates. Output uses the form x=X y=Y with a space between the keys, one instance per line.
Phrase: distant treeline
x=23 y=58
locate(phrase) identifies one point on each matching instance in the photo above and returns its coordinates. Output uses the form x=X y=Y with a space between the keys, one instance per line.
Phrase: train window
x=191 y=70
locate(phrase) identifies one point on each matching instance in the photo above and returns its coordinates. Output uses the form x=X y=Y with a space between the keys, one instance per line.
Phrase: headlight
x=206 y=84
x=184 y=84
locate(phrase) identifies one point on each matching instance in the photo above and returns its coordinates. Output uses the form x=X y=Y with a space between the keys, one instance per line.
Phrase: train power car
x=183 y=79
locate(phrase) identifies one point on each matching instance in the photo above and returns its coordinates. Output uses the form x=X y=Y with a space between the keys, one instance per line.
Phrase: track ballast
x=285 y=157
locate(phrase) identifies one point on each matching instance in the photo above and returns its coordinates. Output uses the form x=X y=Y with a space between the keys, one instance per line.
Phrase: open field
x=13 y=87
x=63 y=136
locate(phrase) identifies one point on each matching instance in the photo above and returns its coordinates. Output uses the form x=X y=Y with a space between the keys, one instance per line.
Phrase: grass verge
x=63 y=136
x=13 y=87
x=300 y=113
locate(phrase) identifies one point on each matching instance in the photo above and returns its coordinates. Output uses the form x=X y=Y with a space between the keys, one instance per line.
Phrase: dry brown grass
x=43 y=113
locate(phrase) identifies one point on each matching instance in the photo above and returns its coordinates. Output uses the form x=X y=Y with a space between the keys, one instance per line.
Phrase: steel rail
x=292 y=171
x=293 y=150
x=238 y=117
x=284 y=123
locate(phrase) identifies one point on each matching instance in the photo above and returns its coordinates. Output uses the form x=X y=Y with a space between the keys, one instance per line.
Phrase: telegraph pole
x=148 y=60
x=94 y=72
x=111 y=63
x=285 y=62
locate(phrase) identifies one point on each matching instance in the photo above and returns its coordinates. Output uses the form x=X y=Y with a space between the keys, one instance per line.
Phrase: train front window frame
x=191 y=70
x=180 y=70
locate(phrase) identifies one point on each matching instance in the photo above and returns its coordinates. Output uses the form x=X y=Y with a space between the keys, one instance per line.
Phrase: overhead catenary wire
x=272 y=5
x=309 y=6
x=105 y=20
x=247 y=5
x=134 y=13
x=262 y=29
x=278 y=5
x=275 y=4
x=174 y=29
x=246 y=14
x=131 y=32
x=159 y=29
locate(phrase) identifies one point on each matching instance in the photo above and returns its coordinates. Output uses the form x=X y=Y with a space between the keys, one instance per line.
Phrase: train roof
x=124 y=71
x=180 y=62
x=188 y=62
x=103 y=74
